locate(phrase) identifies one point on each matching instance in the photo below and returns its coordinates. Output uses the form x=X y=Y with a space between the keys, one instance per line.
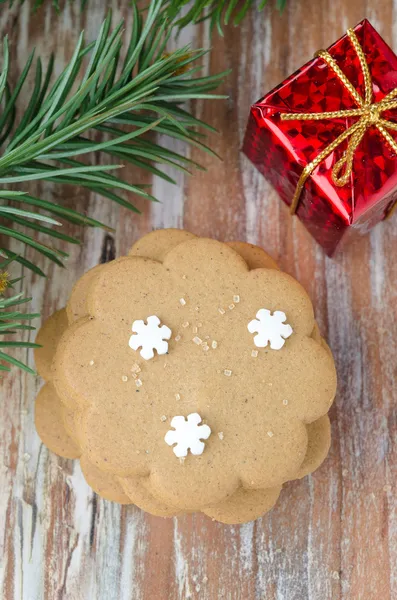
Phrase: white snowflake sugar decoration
x=150 y=337
x=270 y=328
x=187 y=435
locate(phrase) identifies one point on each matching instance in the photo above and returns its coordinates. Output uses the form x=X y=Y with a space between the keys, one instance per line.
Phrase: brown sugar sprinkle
x=227 y=372
x=197 y=340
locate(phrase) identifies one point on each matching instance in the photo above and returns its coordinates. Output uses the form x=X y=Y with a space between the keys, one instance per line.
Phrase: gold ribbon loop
x=369 y=113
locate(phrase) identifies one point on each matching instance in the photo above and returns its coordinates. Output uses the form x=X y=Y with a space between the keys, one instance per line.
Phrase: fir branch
x=52 y=139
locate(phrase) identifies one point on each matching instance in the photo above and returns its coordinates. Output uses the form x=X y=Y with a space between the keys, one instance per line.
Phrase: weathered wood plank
x=332 y=536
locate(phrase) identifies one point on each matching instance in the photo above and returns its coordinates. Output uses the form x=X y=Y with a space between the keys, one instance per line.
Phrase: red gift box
x=351 y=155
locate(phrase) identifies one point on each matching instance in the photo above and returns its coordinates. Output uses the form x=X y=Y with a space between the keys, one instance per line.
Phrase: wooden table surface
x=332 y=535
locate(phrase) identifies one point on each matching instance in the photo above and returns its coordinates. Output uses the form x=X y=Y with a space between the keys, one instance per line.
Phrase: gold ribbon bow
x=370 y=114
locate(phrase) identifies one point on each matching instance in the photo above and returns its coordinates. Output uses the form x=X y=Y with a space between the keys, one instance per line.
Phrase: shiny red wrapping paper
x=281 y=149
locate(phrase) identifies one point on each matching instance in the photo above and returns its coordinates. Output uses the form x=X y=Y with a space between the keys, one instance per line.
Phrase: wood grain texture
x=332 y=536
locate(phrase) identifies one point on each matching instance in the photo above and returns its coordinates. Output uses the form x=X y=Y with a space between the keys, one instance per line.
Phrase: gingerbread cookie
x=188 y=376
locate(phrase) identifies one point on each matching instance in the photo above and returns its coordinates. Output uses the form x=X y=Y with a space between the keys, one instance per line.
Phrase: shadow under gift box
x=280 y=149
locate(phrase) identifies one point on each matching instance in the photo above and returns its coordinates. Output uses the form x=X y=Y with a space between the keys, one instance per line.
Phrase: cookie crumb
x=182 y=301
x=185 y=324
x=163 y=418
x=220 y=435
x=285 y=402
x=227 y=372
x=138 y=382
x=236 y=298
x=124 y=378
x=197 y=340
x=270 y=433
x=254 y=353
x=92 y=362
x=214 y=344
x=177 y=396
x=231 y=306
x=221 y=310
x=177 y=338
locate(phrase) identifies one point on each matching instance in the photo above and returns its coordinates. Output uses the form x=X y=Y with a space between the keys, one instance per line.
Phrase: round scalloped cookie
x=232 y=504
x=48 y=337
x=134 y=281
